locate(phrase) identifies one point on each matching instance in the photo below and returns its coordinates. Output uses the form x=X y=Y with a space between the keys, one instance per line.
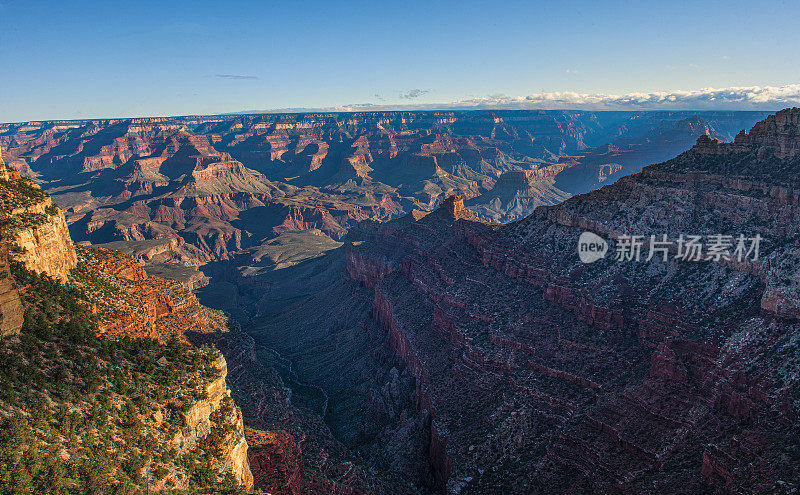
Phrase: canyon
x=404 y=307
x=473 y=357
x=216 y=186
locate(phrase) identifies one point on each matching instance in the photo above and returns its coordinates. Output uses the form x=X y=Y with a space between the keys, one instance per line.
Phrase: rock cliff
x=104 y=334
x=532 y=372
x=10 y=304
x=216 y=411
x=777 y=136
x=35 y=226
x=45 y=247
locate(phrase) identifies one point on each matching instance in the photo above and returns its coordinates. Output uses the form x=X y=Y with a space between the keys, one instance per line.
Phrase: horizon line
x=330 y=111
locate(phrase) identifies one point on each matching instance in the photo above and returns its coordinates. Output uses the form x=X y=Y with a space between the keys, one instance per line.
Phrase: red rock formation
x=146 y=306
x=324 y=171
x=276 y=463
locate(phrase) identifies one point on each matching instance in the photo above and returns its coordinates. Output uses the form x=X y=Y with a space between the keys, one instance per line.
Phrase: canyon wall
x=224 y=184
x=45 y=247
x=10 y=304
x=122 y=303
x=535 y=373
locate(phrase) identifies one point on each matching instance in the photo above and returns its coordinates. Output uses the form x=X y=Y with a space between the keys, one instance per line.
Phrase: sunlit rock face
x=35 y=226
x=46 y=247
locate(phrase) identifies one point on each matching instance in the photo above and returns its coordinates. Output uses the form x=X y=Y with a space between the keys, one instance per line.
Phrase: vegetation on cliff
x=88 y=414
x=17 y=194
x=100 y=392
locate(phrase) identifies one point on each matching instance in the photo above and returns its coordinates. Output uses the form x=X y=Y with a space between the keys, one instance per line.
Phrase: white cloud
x=733 y=98
x=750 y=97
x=570 y=71
x=413 y=93
x=235 y=76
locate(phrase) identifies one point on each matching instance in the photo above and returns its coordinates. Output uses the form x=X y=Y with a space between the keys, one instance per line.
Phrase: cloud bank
x=235 y=76
x=414 y=93
x=733 y=98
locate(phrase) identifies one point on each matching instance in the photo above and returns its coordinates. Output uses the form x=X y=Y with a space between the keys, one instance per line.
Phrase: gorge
x=404 y=308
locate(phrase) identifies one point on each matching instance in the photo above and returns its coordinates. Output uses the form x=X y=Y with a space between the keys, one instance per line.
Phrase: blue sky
x=86 y=59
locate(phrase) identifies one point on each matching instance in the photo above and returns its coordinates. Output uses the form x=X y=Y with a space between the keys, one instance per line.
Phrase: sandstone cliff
x=10 y=304
x=125 y=335
x=45 y=247
x=215 y=413
x=35 y=226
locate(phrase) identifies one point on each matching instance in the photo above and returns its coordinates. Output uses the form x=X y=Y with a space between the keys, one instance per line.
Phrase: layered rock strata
x=10 y=304
x=535 y=373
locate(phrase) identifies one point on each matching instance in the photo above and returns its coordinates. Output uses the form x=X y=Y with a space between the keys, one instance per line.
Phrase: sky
x=87 y=59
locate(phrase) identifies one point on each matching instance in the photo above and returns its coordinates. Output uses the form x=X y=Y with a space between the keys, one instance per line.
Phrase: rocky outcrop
x=143 y=305
x=10 y=304
x=778 y=134
x=35 y=226
x=277 y=463
x=198 y=420
x=46 y=247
